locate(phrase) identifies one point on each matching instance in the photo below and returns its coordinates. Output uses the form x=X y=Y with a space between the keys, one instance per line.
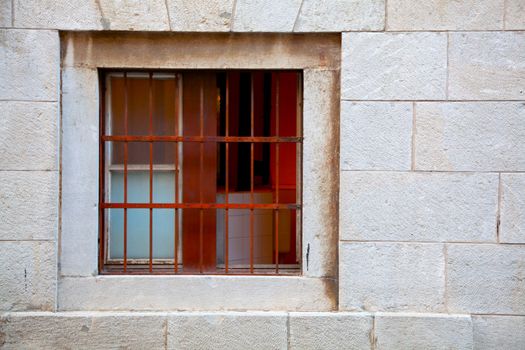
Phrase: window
x=200 y=172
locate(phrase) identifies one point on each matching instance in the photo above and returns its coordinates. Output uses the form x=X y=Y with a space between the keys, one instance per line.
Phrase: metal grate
x=201 y=101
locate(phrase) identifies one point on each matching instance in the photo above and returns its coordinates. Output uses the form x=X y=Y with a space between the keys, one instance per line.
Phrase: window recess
x=200 y=172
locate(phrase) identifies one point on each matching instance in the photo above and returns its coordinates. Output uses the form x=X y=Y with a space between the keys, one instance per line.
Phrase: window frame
x=81 y=287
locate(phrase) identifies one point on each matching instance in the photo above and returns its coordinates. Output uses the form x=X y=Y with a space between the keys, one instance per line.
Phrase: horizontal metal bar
x=145 y=138
x=199 y=206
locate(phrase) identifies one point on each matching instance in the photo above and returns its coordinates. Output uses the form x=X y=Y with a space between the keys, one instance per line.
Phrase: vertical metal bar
x=252 y=99
x=201 y=177
x=226 y=197
x=125 y=171
x=102 y=173
x=176 y=175
x=277 y=92
x=150 y=172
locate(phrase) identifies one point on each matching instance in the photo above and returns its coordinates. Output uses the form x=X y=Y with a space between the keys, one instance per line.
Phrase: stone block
x=80 y=119
x=251 y=330
x=31 y=330
x=200 y=16
x=196 y=293
x=29 y=135
x=394 y=66
x=445 y=15
x=64 y=15
x=341 y=16
x=30 y=65
x=487 y=66
x=340 y=330
x=6 y=13
x=512 y=208
x=423 y=331
x=470 y=136
x=28 y=275
x=28 y=205
x=376 y=135
x=391 y=277
x=402 y=206
x=499 y=332
x=135 y=15
x=265 y=15
x=514 y=15
x=486 y=278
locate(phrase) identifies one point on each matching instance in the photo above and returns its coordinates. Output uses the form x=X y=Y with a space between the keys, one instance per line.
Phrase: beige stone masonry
x=338 y=330
x=200 y=16
x=445 y=15
x=391 y=277
x=30 y=66
x=499 y=332
x=394 y=66
x=27 y=276
x=512 y=212
x=486 y=66
x=408 y=206
x=515 y=15
x=29 y=138
x=423 y=331
x=340 y=16
x=376 y=135
x=265 y=15
x=470 y=136
x=486 y=279
x=28 y=205
x=227 y=331
x=5 y=13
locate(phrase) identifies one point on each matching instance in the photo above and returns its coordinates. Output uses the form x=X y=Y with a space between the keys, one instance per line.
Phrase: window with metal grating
x=200 y=172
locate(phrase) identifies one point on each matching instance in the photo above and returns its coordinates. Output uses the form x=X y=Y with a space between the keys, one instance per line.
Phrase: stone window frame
x=80 y=287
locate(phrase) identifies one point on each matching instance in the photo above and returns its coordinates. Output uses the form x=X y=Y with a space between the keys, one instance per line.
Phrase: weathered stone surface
x=445 y=15
x=196 y=293
x=339 y=330
x=265 y=15
x=376 y=135
x=394 y=66
x=200 y=16
x=418 y=206
x=470 y=136
x=214 y=50
x=391 y=277
x=31 y=330
x=30 y=64
x=27 y=276
x=487 y=66
x=28 y=205
x=499 y=332
x=5 y=13
x=340 y=15
x=320 y=168
x=52 y=14
x=29 y=135
x=252 y=330
x=512 y=210
x=486 y=278
x=514 y=14
x=80 y=120
x=134 y=15
x=429 y=331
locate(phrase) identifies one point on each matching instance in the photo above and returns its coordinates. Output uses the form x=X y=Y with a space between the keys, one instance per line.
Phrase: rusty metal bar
x=125 y=170
x=282 y=206
x=226 y=181
x=252 y=100
x=176 y=176
x=101 y=175
x=201 y=178
x=277 y=106
x=150 y=171
x=210 y=139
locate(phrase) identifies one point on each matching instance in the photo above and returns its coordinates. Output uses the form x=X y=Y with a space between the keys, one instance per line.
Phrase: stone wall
x=432 y=176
